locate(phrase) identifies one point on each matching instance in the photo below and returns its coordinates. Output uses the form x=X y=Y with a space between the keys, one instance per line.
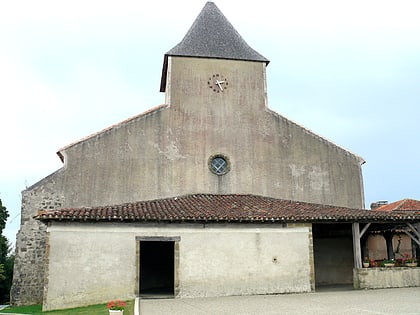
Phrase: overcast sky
x=347 y=70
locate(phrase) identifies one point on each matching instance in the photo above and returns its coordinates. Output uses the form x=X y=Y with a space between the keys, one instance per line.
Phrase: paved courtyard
x=403 y=301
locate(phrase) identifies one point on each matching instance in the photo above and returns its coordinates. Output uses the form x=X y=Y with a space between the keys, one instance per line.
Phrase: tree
x=6 y=258
x=2 y=272
x=4 y=214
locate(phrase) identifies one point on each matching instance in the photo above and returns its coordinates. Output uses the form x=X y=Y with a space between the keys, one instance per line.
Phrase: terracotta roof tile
x=401 y=205
x=223 y=208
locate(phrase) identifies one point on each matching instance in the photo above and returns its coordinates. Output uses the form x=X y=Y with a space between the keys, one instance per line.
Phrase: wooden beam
x=159 y=238
x=357 y=252
x=413 y=228
x=416 y=236
x=412 y=237
x=364 y=229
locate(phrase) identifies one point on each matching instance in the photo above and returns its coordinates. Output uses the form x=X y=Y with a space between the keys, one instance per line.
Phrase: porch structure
x=379 y=276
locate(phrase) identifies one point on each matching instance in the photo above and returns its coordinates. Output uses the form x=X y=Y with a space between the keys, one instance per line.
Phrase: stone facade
x=28 y=274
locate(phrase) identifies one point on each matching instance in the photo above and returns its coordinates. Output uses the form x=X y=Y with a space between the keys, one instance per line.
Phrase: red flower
x=116 y=305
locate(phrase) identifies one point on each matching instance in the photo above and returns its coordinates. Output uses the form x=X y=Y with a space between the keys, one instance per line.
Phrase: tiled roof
x=401 y=205
x=223 y=208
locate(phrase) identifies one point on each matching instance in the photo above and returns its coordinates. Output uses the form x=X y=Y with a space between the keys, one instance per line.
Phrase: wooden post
x=356 y=246
x=388 y=235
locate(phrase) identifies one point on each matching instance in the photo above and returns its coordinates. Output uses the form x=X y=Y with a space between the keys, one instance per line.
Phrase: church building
x=210 y=194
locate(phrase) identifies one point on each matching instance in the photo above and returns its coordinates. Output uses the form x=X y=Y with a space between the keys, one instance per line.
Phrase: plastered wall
x=376 y=246
x=90 y=264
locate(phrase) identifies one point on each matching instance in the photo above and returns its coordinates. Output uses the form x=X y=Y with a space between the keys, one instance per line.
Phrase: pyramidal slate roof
x=212 y=36
x=223 y=208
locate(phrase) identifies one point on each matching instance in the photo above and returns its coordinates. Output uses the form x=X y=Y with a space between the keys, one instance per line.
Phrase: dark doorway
x=333 y=254
x=156 y=268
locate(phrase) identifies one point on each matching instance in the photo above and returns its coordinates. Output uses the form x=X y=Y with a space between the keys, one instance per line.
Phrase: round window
x=219 y=164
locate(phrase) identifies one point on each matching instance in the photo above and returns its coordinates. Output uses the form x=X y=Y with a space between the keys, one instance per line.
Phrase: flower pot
x=389 y=265
x=411 y=264
x=116 y=312
x=365 y=264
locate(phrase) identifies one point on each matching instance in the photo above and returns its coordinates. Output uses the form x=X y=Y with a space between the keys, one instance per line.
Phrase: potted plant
x=116 y=307
x=366 y=262
x=388 y=263
x=411 y=262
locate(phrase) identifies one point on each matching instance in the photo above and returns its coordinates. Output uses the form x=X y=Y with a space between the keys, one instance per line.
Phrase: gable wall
x=166 y=153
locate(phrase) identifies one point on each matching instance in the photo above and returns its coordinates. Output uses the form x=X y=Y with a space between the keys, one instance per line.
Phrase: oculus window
x=219 y=164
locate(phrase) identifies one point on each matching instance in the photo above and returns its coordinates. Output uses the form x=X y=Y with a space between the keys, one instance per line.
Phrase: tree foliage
x=4 y=214
x=6 y=258
x=2 y=272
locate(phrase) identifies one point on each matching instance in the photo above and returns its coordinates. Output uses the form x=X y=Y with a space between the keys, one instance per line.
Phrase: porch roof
x=224 y=208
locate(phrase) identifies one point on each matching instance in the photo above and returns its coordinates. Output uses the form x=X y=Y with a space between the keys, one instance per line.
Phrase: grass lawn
x=99 y=309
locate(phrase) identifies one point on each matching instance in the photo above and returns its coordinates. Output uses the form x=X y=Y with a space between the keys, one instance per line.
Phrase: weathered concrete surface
x=380 y=302
x=93 y=264
x=387 y=277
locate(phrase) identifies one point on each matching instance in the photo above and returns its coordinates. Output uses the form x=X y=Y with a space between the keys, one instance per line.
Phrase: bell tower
x=213 y=66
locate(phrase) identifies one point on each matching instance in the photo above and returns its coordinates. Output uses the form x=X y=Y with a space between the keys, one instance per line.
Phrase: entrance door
x=156 y=268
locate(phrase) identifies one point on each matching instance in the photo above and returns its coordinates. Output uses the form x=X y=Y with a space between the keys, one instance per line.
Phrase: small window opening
x=219 y=164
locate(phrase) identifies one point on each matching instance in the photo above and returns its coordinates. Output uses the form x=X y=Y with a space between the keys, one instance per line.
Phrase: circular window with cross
x=219 y=164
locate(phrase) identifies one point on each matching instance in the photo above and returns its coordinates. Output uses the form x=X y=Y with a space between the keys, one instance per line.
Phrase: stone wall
x=28 y=273
x=386 y=277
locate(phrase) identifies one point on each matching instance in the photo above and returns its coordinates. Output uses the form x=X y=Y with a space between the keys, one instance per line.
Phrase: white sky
x=347 y=70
